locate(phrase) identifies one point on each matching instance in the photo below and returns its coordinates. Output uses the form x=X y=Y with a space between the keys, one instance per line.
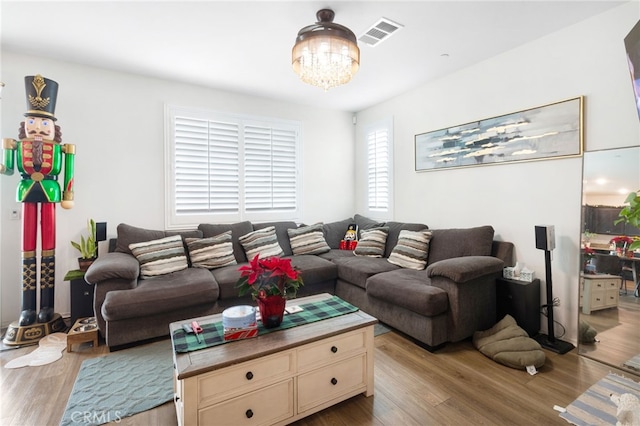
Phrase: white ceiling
x=246 y=46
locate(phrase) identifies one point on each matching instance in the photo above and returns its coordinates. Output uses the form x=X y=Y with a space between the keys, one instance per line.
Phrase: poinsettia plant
x=589 y=253
x=270 y=276
x=622 y=241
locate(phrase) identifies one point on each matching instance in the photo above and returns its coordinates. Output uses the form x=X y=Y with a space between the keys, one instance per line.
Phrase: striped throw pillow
x=263 y=242
x=160 y=257
x=212 y=252
x=412 y=249
x=372 y=242
x=308 y=240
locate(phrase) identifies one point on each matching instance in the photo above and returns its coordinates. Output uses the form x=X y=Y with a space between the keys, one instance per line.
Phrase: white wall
x=116 y=122
x=585 y=59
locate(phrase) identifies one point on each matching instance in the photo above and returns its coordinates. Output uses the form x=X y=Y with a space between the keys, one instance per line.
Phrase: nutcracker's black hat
x=42 y=94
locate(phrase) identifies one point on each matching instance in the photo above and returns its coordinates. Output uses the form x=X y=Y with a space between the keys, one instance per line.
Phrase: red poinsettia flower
x=254 y=270
x=269 y=277
x=621 y=240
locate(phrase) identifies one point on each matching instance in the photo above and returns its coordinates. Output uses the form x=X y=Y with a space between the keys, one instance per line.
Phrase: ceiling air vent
x=379 y=32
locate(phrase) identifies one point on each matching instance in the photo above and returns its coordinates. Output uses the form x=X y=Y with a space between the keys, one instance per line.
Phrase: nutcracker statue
x=39 y=157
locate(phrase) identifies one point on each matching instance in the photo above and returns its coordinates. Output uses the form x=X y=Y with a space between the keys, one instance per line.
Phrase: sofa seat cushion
x=314 y=269
x=336 y=254
x=357 y=269
x=409 y=289
x=227 y=277
x=178 y=290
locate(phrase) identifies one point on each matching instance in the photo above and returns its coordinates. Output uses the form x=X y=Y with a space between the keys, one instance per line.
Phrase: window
x=226 y=168
x=379 y=141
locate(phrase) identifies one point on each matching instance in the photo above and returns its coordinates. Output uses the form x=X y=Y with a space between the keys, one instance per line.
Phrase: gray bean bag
x=509 y=344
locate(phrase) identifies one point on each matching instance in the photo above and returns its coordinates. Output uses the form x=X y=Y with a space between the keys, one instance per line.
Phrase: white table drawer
x=262 y=407
x=328 y=350
x=325 y=384
x=245 y=377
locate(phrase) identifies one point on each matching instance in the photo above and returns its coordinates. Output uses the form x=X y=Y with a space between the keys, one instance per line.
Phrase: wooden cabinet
x=600 y=219
x=281 y=387
x=599 y=292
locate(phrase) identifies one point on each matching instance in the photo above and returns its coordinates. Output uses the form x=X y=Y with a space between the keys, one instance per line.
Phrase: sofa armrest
x=464 y=269
x=113 y=266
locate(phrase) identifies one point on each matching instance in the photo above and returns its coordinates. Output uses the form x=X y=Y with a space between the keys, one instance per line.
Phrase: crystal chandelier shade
x=325 y=54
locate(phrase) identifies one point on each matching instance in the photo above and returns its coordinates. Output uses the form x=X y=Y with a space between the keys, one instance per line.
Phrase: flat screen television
x=632 y=46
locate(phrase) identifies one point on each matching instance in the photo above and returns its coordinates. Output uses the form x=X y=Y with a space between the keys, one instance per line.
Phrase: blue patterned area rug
x=594 y=407
x=633 y=363
x=121 y=384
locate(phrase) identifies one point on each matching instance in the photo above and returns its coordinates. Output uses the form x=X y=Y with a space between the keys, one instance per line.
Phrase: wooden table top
x=213 y=358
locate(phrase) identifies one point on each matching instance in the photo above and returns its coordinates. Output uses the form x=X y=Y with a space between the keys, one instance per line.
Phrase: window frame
x=385 y=125
x=173 y=220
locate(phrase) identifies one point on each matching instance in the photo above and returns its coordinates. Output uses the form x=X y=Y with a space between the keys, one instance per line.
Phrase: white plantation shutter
x=206 y=166
x=379 y=141
x=270 y=168
x=230 y=168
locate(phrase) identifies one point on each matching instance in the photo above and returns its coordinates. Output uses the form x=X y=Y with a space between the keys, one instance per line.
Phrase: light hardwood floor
x=618 y=336
x=454 y=386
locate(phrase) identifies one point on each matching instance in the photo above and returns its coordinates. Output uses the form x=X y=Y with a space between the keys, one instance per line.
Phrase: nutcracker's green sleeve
x=69 y=158
x=8 y=158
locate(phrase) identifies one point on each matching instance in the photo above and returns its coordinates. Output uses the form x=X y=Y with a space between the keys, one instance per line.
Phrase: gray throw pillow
x=308 y=240
x=160 y=257
x=212 y=252
x=412 y=250
x=262 y=242
x=372 y=242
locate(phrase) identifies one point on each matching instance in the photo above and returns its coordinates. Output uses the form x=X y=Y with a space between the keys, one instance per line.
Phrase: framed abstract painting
x=550 y=131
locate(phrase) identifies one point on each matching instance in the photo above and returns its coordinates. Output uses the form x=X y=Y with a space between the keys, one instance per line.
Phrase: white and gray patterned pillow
x=212 y=252
x=263 y=242
x=308 y=240
x=372 y=242
x=160 y=257
x=412 y=249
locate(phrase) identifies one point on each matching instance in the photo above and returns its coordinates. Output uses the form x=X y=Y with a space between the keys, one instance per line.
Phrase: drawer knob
x=249 y=375
x=249 y=413
x=334 y=349
x=334 y=381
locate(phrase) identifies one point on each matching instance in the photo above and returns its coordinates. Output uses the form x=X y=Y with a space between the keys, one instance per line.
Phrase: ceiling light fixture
x=325 y=54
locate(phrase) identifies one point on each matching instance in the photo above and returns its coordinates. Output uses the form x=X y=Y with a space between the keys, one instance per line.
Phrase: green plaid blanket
x=213 y=333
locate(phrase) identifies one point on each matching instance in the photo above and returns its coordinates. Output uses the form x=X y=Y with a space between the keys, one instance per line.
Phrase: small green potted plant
x=631 y=214
x=87 y=246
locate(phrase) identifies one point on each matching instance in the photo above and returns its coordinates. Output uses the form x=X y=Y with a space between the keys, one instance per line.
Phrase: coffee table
x=275 y=378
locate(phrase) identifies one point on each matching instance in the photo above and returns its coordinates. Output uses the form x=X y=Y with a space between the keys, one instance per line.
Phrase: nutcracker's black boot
x=29 y=284
x=47 y=282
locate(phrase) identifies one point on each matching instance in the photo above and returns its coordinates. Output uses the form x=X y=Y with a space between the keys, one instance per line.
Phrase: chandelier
x=325 y=54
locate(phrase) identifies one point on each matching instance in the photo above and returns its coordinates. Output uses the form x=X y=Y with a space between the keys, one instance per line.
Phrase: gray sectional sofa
x=448 y=300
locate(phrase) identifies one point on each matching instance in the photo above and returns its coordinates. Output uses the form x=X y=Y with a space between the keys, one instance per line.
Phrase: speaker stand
x=549 y=341
x=555 y=345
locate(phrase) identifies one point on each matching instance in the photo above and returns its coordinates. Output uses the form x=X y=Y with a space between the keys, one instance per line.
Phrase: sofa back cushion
x=334 y=231
x=282 y=235
x=394 y=233
x=128 y=234
x=237 y=230
x=450 y=243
